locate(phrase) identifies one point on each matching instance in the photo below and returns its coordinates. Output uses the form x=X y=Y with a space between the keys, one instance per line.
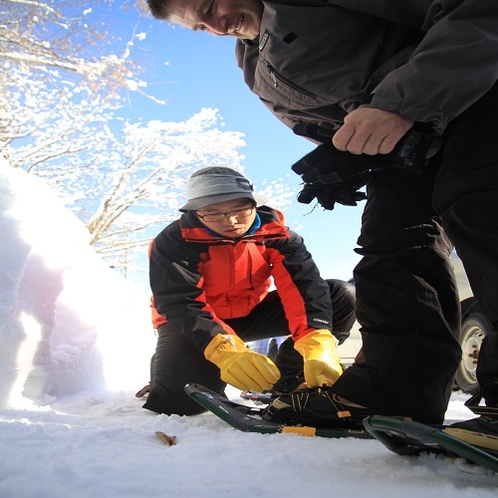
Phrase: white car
x=475 y=326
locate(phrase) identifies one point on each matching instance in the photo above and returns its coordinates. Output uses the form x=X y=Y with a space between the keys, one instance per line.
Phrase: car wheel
x=475 y=326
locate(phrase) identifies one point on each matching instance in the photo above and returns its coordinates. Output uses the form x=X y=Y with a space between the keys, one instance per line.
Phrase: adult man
x=210 y=274
x=370 y=70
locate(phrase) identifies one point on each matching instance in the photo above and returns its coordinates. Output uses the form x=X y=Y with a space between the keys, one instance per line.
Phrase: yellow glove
x=321 y=359
x=239 y=366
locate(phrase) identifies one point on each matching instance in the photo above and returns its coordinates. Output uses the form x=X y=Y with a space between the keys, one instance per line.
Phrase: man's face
x=230 y=219
x=239 y=18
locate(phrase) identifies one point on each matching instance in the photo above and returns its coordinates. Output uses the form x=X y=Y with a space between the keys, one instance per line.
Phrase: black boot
x=481 y=431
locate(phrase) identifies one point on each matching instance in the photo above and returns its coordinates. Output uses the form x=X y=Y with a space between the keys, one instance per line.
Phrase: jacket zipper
x=277 y=77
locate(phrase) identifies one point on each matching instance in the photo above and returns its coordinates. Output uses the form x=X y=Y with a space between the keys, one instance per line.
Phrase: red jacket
x=199 y=279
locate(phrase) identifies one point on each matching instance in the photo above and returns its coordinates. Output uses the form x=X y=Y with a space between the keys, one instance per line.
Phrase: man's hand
x=371 y=131
x=327 y=164
x=239 y=366
x=322 y=364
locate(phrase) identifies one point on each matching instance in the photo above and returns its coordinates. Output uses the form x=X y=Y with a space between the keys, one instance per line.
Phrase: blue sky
x=193 y=70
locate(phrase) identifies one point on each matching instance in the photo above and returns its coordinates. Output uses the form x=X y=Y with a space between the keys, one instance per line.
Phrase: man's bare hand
x=371 y=131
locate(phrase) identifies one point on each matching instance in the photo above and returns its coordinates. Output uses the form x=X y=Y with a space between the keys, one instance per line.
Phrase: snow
x=75 y=343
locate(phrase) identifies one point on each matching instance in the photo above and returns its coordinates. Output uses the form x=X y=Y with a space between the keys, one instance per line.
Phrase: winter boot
x=483 y=430
x=317 y=407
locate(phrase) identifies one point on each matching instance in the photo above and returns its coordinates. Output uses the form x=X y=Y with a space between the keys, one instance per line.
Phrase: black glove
x=341 y=336
x=327 y=165
x=327 y=195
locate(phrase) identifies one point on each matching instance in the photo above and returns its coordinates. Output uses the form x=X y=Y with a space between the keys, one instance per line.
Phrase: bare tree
x=58 y=119
x=53 y=43
x=49 y=35
x=120 y=178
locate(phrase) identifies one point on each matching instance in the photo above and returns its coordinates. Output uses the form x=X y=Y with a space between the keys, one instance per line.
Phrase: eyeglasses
x=236 y=213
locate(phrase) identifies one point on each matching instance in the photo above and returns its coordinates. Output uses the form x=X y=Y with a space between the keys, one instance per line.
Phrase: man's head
x=239 y=18
x=217 y=184
x=223 y=199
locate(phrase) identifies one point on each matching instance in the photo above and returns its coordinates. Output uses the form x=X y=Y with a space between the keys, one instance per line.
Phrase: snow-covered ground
x=75 y=343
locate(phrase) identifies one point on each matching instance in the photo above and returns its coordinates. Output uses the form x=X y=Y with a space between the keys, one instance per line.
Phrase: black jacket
x=428 y=60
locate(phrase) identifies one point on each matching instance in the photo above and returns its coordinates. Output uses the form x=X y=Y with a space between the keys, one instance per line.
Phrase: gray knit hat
x=218 y=184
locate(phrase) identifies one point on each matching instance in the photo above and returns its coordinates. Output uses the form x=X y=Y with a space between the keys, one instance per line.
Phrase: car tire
x=475 y=326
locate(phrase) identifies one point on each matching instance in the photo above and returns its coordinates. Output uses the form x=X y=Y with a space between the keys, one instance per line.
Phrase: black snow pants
x=466 y=196
x=177 y=362
x=407 y=303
